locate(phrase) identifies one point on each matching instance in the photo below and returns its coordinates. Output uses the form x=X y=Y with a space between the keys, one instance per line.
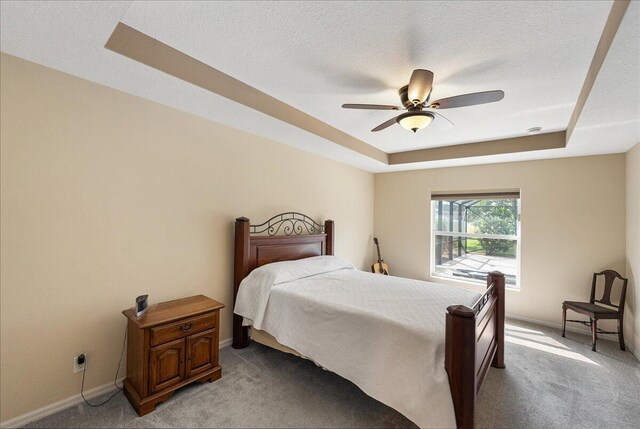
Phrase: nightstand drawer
x=182 y=328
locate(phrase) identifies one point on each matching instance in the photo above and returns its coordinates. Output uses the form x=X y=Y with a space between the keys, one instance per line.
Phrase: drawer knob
x=186 y=326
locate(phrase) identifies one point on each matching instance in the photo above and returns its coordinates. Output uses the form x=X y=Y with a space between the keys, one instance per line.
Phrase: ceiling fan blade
x=370 y=107
x=420 y=86
x=440 y=121
x=468 y=99
x=384 y=125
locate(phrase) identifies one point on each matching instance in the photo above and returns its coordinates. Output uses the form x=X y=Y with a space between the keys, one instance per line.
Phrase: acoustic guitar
x=379 y=267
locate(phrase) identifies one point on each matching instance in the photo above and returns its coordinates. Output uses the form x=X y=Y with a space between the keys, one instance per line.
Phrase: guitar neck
x=379 y=257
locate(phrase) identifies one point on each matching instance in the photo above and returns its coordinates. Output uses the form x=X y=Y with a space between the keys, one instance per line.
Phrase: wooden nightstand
x=173 y=344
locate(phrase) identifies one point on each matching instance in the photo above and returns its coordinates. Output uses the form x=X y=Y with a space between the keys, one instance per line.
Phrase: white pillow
x=287 y=271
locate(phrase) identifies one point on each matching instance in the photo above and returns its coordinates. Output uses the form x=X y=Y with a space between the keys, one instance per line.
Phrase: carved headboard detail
x=300 y=237
x=291 y=223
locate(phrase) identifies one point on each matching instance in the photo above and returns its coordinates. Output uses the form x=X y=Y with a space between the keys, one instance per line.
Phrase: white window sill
x=456 y=282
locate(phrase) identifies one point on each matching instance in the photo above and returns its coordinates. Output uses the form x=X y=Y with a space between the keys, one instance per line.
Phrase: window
x=473 y=234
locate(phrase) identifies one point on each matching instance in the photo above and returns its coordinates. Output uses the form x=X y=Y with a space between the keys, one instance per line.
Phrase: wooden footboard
x=474 y=341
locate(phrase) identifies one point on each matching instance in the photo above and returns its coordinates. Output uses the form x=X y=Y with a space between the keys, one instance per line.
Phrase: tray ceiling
x=315 y=56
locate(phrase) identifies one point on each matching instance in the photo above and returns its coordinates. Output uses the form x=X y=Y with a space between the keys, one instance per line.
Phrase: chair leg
x=594 y=337
x=621 y=334
x=564 y=320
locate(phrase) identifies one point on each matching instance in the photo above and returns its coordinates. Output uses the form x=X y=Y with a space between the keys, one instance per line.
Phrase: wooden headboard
x=285 y=237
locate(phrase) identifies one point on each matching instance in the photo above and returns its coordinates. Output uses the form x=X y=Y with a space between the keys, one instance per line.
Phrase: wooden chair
x=597 y=312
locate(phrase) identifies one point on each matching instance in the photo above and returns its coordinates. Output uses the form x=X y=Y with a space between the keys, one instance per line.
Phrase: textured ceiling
x=316 y=56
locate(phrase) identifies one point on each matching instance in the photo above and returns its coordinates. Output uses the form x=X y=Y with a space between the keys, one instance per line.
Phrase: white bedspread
x=383 y=333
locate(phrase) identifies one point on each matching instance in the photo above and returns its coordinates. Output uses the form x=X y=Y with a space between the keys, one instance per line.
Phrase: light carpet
x=549 y=382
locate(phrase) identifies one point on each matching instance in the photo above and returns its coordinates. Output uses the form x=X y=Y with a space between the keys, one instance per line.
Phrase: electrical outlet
x=79 y=363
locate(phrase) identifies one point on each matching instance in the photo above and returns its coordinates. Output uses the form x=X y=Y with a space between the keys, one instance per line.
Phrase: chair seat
x=589 y=308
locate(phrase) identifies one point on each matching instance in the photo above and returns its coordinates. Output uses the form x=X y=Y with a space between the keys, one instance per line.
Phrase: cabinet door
x=202 y=353
x=166 y=366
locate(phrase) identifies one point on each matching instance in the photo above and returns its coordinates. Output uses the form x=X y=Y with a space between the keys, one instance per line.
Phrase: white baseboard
x=633 y=351
x=226 y=343
x=47 y=410
x=570 y=328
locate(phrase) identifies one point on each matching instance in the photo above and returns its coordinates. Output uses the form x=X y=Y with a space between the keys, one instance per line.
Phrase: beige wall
x=106 y=196
x=632 y=323
x=572 y=223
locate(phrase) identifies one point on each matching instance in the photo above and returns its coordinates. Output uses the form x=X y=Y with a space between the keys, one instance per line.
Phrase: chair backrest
x=609 y=278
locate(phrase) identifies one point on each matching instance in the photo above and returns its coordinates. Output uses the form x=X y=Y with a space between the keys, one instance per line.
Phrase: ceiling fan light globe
x=414 y=121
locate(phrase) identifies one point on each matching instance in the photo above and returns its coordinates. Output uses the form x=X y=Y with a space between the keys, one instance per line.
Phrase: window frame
x=434 y=233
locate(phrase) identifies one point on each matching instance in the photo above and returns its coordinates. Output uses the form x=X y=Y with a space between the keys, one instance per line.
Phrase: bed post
x=459 y=361
x=240 y=268
x=498 y=278
x=329 y=230
x=474 y=335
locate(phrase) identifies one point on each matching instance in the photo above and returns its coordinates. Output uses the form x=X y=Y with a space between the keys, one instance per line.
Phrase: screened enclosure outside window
x=474 y=234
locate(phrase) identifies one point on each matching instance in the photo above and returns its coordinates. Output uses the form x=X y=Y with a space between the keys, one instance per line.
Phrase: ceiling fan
x=415 y=99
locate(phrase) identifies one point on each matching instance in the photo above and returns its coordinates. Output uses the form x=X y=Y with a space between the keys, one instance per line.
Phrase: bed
x=385 y=334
